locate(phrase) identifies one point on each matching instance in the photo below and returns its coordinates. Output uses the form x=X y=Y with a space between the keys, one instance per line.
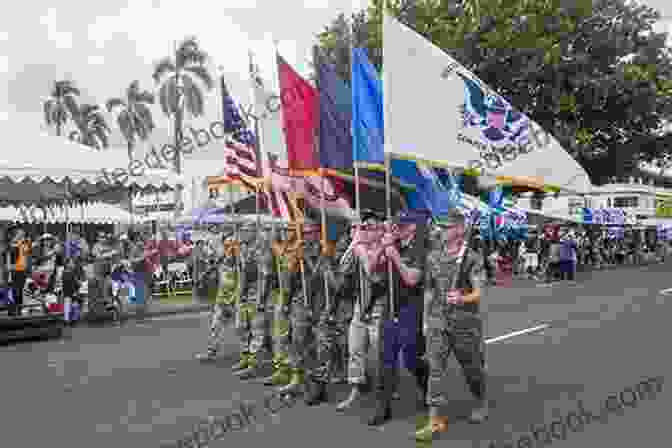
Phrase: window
x=575 y=205
x=536 y=203
x=626 y=201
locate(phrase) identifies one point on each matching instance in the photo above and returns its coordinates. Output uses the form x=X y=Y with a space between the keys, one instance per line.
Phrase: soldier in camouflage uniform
x=288 y=280
x=257 y=276
x=228 y=294
x=452 y=320
x=303 y=311
x=331 y=316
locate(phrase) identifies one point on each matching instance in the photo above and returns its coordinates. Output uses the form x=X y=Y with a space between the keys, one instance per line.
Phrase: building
x=644 y=202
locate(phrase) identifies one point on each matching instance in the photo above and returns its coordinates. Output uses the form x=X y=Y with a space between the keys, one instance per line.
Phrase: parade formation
x=378 y=201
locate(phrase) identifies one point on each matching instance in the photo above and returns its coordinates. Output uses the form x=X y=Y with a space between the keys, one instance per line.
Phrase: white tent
x=99 y=213
x=41 y=169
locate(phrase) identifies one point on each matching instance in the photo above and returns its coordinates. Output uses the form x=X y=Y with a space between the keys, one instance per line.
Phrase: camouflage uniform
x=226 y=304
x=281 y=318
x=303 y=311
x=256 y=282
x=331 y=318
x=451 y=327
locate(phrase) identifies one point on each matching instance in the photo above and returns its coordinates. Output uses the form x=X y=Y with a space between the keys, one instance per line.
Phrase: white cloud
x=96 y=60
x=60 y=39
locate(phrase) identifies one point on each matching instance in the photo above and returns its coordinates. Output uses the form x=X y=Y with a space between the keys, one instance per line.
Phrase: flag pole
x=356 y=158
x=388 y=203
x=223 y=93
x=323 y=213
x=257 y=186
x=388 y=199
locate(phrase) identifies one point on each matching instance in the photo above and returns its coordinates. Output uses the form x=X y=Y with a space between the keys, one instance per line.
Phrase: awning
x=99 y=213
x=36 y=168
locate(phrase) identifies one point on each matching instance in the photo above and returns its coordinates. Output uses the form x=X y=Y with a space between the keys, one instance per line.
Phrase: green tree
x=61 y=106
x=134 y=116
x=92 y=129
x=181 y=80
x=593 y=73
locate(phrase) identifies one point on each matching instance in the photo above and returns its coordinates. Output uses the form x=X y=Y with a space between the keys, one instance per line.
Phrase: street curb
x=189 y=309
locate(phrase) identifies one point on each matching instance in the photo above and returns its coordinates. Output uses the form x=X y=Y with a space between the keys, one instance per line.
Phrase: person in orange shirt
x=22 y=249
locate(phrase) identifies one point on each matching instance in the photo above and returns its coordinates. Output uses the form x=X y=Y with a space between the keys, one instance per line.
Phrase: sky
x=104 y=46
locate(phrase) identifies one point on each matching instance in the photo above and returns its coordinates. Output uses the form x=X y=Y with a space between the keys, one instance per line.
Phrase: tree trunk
x=130 y=150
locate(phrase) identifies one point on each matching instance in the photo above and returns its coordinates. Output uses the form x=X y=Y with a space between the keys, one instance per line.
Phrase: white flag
x=267 y=109
x=437 y=110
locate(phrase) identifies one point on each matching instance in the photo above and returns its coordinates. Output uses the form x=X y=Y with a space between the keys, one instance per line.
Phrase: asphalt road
x=139 y=386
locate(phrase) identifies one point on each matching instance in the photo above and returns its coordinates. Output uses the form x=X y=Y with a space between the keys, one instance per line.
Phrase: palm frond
x=145 y=114
x=102 y=138
x=125 y=122
x=163 y=68
x=113 y=103
x=168 y=97
x=201 y=74
x=48 y=108
x=75 y=136
x=145 y=97
x=71 y=106
x=140 y=127
x=190 y=53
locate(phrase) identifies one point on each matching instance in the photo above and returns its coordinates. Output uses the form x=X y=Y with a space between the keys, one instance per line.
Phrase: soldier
x=331 y=316
x=304 y=303
x=228 y=295
x=452 y=320
x=256 y=283
x=285 y=254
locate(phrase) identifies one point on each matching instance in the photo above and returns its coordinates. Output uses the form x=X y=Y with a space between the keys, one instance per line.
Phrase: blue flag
x=429 y=194
x=367 y=111
x=335 y=119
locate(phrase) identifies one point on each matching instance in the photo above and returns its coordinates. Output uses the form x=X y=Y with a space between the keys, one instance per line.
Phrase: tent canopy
x=36 y=169
x=99 y=213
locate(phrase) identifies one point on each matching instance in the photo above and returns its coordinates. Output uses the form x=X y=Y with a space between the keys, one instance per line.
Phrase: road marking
x=180 y=316
x=517 y=333
x=666 y=292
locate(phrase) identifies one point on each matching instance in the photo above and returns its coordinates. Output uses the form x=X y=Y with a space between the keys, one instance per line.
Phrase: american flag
x=241 y=156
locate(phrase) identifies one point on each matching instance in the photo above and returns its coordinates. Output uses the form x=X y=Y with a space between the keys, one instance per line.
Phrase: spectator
x=22 y=249
x=567 y=255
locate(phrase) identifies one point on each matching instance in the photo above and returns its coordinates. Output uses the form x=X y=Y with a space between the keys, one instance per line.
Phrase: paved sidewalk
x=164 y=309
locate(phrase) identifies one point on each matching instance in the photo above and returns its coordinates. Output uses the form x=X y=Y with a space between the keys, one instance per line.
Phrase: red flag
x=300 y=115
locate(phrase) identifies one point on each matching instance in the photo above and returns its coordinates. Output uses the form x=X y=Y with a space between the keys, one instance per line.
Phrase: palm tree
x=92 y=129
x=134 y=118
x=61 y=105
x=178 y=79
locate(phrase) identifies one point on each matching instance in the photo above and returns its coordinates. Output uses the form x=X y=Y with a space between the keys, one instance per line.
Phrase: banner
x=441 y=112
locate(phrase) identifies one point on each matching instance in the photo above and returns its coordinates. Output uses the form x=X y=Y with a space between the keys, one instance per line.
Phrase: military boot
x=251 y=370
x=316 y=393
x=296 y=381
x=384 y=391
x=243 y=363
x=436 y=426
x=281 y=373
x=422 y=377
